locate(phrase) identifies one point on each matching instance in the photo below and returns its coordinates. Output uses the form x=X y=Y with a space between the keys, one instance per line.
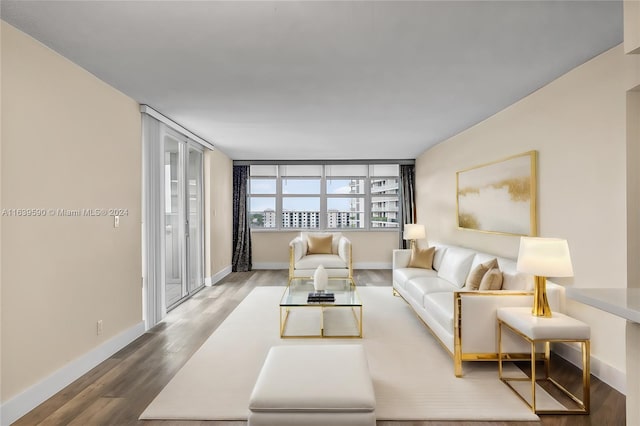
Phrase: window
x=329 y=196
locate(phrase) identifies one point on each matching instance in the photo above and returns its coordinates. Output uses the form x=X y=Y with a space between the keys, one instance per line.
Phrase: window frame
x=324 y=197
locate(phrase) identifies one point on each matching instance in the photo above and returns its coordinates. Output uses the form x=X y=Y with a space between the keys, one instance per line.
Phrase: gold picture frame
x=499 y=197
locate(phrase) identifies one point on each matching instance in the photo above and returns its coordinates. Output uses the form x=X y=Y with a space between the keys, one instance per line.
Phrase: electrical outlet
x=99 y=328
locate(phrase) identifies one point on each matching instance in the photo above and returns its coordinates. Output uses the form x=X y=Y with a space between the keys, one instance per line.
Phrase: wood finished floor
x=118 y=390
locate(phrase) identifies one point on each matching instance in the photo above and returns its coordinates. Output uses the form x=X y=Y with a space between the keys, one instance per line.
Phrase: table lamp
x=543 y=257
x=413 y=232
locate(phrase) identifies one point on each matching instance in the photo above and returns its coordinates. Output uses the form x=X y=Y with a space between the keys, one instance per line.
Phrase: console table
x=625 y=303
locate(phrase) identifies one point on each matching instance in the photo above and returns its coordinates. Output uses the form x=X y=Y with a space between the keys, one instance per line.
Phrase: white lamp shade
x=544 y=257
x=413 y=231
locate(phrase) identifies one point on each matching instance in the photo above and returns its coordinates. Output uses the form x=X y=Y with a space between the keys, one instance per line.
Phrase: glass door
x=173 y=222
x=183 y=234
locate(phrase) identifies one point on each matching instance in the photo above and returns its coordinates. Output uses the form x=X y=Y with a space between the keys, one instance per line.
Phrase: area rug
x=412 y=374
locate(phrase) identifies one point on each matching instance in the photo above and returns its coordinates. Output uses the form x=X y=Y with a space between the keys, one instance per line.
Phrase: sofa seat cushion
x=402 y=275
x=329 y=261
x=418 y=287
x=440 y=306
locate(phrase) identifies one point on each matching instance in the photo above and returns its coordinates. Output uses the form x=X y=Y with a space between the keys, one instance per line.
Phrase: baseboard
x=270 y=265
x=371 y=265
x=610 y=375
x=358 y=265
x=212 y=280
x=35 y=395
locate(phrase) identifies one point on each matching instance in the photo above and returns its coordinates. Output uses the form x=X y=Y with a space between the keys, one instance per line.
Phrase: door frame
x=153 y=221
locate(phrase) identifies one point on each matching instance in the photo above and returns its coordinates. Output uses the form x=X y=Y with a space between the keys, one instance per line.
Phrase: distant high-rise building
x=269 y=218
x=300 y=219
x=338 y=219
x=384 y=203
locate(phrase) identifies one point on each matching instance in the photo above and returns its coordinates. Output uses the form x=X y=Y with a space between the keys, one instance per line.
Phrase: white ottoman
x=313 y=385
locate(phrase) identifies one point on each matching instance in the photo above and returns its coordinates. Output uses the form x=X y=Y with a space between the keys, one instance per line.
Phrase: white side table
x=558 y=328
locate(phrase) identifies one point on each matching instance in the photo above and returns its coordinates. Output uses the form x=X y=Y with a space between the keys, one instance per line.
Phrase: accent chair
x=309 y=250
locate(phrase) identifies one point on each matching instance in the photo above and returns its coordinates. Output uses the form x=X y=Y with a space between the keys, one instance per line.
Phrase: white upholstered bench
x=313 y=385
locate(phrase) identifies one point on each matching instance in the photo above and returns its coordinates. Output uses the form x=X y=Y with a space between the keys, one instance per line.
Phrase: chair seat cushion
x=312 y=261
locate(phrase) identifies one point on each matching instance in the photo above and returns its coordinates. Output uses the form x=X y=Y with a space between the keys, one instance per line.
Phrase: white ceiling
x=324 y=80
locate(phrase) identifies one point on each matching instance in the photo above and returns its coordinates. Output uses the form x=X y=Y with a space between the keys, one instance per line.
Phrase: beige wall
x=633 y=187
x=69 y=141
x=370 y=249
x=632 y=44
x=578 y=126
x=631 y=26
x=221 y=212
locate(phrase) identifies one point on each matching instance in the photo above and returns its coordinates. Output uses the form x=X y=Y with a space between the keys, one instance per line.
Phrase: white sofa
x=464 y=321
x=338 y=263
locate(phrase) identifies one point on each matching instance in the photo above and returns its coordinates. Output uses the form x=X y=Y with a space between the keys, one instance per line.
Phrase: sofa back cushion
x=437 y=257
x=455 y=265
x=517 y=281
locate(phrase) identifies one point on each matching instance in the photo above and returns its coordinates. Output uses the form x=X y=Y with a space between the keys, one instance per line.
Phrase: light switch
x=116 y=221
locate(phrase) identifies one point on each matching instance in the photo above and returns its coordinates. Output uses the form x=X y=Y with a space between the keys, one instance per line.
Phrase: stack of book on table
x=321 y=297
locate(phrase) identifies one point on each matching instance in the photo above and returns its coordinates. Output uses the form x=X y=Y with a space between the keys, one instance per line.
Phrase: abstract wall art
x=499 y=197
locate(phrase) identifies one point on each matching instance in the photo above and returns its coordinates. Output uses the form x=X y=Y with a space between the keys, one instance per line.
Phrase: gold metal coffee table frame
x=346 y=297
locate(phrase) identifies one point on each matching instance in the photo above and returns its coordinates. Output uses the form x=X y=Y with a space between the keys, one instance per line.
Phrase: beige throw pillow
x=422 y=258
x=319 y=244
x=492 y=280
x=477 y=273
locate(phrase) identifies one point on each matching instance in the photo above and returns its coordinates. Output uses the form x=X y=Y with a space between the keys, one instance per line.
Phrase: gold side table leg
x=500 y=349
x=533 y=375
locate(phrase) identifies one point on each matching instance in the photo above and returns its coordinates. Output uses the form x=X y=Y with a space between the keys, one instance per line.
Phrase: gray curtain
x=408 y=198
x=241 y=261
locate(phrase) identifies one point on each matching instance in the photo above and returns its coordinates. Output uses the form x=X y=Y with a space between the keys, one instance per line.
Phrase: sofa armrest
x=401 y=258
x=344 y=249
x=475 y=323
x=297 y=249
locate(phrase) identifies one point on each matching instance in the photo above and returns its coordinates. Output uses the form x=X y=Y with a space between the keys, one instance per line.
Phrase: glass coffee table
x=341 y=318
